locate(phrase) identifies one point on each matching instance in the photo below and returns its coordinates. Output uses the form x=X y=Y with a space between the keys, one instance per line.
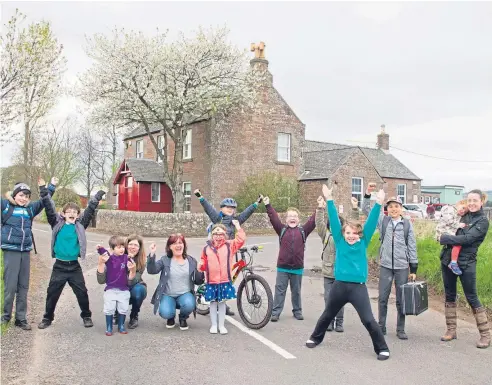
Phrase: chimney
x=383 y=140
x=259 y=63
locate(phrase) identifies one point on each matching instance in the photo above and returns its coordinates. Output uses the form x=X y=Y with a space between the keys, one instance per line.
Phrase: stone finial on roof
x=382 y=128
x=259 y=50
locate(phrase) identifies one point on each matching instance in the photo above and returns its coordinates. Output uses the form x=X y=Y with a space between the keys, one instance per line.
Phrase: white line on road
x=263 y=340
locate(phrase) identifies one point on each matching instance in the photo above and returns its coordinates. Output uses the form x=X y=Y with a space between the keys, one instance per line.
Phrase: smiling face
x=462 y=209
x=219 y=236
x=228 y=210
x=22 y=199
x=133 y=246
x=70 y=212
x=351 y=234
x=119 y=250
x=475 y=203
x=395 y=210
x=292 y=218
x=177 y=247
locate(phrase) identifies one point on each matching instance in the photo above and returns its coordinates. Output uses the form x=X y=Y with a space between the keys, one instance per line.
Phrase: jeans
x=328 y=283
x=185 y=303
x=281 y=284
x=356 y=294
x=468 y=280
x=16 y=271
x=63 y=272
x=386 y=278
x=137 y=295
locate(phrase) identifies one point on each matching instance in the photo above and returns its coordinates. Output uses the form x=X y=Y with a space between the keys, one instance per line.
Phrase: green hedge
x=429 y=266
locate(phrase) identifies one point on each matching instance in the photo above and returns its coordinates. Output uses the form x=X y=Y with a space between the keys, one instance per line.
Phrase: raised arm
x=475 y=234
x=240 y=238
x=153 y=266
x=243 y=217
x=210 y=210
x=366 y=204
x=91 y=209
x=373 y=218
x=412 y=250
x=273 y=216
x=354 y=214
x=310 y=224
x=49 y=206
x=320 y=221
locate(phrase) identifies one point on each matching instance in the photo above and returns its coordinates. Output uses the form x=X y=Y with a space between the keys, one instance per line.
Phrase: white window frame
x=427 y=200
x=187 y=197
x=357 y=194
x=137 y=152
x=187 y=144
x=129 y=181
x=287 y=160
x=403 y=197
x=160 y=146
x=152 y=184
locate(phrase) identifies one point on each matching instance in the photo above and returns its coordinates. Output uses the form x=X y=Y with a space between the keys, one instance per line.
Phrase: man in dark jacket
x=290 y=262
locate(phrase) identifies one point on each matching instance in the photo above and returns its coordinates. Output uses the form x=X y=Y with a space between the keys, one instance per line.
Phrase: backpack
x=228 y=261
x=384 y=225
x=10 y=211
x=211 y=224
x=301 y=229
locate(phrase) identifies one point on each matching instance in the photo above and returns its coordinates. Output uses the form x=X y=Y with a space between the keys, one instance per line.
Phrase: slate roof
x=319 y=158
x=140 y=131
x=145 y=170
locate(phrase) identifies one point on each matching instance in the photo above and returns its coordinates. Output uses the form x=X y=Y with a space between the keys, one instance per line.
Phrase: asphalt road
x=67 y=353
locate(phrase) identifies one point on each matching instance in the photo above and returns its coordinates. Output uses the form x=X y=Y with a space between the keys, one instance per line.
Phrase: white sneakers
x=214 y=330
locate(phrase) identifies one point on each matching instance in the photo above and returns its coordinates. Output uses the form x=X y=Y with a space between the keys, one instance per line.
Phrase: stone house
x=350 y=168
x=219 y=156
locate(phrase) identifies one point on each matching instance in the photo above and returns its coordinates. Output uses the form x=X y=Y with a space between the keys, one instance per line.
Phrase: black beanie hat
x=21 y=187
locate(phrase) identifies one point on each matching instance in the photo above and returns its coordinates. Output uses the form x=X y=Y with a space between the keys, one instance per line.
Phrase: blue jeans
x=168 y=305
x=137 y=295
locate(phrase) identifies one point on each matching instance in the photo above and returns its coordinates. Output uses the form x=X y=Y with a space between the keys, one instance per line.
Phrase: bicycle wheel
x=256 y=310
x=202 y=307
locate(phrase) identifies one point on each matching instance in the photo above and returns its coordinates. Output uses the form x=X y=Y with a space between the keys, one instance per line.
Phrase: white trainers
x=223 y=330
x=213 y=329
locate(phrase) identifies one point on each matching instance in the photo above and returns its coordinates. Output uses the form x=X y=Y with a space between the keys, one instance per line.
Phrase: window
x=421 y=199
x=187 y=196
x=139 y=149
x=357 y=189
x=187 y=145
x=128 y=182
x=160 y=146
x=401 y=191
x=427 y=200
x=156 y=191
x=283 y=147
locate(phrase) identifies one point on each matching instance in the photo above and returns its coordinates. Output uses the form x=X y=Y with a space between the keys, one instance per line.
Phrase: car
x=419 y=208
x=407 y=214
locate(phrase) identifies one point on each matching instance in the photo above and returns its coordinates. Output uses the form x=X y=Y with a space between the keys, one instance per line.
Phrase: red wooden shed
x=140 y=187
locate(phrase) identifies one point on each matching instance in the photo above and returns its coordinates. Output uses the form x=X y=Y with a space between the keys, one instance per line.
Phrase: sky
x=422 y=69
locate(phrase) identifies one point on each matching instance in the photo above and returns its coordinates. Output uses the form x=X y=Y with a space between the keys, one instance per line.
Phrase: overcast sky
x=422 y=69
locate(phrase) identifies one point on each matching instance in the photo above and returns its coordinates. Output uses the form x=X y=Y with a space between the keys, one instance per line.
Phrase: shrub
x=283 y=191
x=63 y=196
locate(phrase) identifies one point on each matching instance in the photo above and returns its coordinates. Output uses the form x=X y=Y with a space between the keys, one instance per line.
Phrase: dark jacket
x=217 y=216
x=56 y=222
x=163 y=266
x=470 y=238
x=17 y=231
x=291 y=250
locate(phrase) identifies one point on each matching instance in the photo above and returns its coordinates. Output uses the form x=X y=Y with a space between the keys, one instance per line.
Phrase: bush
x=65 y=195
x=428 y=251
x=283 y=191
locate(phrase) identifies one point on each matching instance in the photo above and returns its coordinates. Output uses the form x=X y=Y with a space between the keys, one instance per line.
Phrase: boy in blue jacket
x=18 y=213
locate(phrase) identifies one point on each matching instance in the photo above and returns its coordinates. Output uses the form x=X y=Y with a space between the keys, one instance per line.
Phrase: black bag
x=414 y=298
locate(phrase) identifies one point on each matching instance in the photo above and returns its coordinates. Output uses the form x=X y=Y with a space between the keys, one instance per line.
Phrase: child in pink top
x=217 y=261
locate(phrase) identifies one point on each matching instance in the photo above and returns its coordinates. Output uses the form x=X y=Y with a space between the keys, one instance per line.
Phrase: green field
x=429 y=264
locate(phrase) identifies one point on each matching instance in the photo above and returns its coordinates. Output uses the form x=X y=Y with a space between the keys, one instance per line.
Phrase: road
x=67 y=353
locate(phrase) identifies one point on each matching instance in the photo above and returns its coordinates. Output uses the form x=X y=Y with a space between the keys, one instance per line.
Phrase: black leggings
x=357 y=295
x=468 y=280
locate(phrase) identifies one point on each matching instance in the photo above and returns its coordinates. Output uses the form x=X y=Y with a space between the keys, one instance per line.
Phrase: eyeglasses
x=219 y=235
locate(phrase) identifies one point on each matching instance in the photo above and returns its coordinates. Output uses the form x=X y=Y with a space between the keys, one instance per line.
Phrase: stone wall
x=162 y=225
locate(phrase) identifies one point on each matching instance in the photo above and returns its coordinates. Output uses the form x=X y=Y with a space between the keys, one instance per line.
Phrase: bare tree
x=151 y=83
x=89 y=158
x=58 y=155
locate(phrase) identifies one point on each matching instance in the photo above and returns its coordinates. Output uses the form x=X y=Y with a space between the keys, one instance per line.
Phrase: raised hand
x=355 y=202
x=197 y=193
x=380 y=196
x=103 y=258
x=321 y=202
x=99 y=195
x=236 y=224
x=131 y=265
x=54 y=181
x=260 y=199
x=41 y=182
x=266 y=200
x=327 y=193
x=371 y=187
x=152 y=248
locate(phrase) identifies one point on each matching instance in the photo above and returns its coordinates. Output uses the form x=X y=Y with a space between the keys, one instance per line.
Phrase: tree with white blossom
x=155 y=83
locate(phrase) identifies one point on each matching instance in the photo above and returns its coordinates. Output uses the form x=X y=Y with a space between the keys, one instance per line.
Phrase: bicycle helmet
x=228 y=202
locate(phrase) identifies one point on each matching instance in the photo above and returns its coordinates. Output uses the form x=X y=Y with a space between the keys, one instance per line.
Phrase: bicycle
x=250 y=285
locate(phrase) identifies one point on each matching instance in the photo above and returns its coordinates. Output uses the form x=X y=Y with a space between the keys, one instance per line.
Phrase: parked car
x=419 y=208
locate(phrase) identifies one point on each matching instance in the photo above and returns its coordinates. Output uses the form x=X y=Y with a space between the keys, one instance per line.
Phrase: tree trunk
x=178 y=201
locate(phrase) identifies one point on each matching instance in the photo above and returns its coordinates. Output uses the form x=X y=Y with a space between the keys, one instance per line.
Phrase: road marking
x=263 y=340
x=44 y=231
